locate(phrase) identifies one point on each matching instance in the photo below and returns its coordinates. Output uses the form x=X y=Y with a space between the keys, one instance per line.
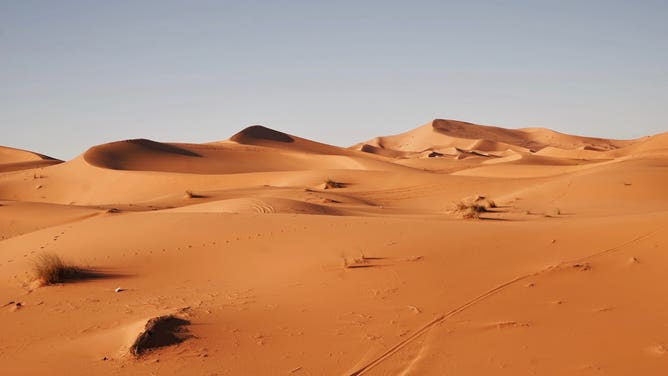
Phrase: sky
x=79 y=73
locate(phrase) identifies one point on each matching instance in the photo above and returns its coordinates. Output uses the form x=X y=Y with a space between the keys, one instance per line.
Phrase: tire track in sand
x=439 y=319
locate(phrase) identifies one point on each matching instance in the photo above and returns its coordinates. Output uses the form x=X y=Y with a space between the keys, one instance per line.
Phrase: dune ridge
x=12 y=159
x=440 y=134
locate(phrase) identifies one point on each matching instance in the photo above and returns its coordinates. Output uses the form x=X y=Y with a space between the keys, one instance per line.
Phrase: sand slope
x=288 y=256
x=16 y=159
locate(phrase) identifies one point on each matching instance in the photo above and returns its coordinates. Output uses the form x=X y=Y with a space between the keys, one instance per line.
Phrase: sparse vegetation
x=191 y=194
x=49 y=268
x=553 y=213
x=329 y=184
x=360 y=262
x=484 y=201
x=470 y=210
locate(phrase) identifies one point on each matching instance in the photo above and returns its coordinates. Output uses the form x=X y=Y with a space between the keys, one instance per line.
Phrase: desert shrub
x=470 y=210
x=485 y=201
x=49 y=268
x=191 y=194
x=329 y=183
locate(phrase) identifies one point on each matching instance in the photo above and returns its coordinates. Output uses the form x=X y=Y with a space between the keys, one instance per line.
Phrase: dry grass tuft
x=470 y=210
x=49 y=269
x=360 y=262
x=472 y=207
x=553 y=213
x=329 y=184
x=485 y=201
x=191 y=194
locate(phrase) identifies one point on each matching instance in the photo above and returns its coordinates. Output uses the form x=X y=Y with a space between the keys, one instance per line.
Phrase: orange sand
x=279 y=273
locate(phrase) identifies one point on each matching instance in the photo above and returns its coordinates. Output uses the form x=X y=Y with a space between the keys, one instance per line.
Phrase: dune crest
x=12 y=159
x=258 y=133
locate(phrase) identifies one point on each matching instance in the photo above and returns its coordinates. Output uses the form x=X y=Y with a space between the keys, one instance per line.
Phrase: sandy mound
x=159 y=332
x=16 y=159
x=255 y=149
x=380 y=151
x=11 y=155
x=258 y=134
x=657 y=144
x=141 y=154
x=261 y=136
x=467 y=136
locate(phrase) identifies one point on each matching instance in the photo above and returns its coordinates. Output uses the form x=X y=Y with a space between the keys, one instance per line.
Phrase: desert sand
x=284 y=256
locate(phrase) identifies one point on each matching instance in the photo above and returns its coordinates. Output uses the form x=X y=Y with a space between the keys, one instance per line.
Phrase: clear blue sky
x=78 y=73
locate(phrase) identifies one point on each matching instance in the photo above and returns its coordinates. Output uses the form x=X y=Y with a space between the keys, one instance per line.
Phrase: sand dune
x=255 y=149
x=16 y=159
x=227 y=158
x=442 y=133
x=262 y=136
x=276 y=254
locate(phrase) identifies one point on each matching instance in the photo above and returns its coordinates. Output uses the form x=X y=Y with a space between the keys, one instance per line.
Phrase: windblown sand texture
x=270 y=254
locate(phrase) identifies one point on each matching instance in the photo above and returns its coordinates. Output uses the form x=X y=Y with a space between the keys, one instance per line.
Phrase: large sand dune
x=271 y=254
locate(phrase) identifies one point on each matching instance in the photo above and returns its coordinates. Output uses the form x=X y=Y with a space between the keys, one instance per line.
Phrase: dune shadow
x=496 y=209
x=191 y=194
x=102 y=273
x=359 y=266
x=494 y=219
x=163 y=147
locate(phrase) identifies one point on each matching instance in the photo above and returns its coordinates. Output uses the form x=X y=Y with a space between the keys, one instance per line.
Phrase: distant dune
x=442 y=134
x=453 y=248
x=16 y=159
